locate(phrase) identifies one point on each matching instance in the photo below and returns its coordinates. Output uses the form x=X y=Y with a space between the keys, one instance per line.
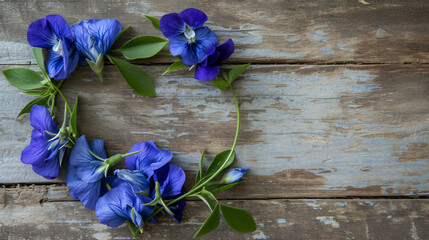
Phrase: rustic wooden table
x=335 y=123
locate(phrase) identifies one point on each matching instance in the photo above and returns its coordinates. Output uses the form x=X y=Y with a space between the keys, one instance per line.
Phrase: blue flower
x=53 y=33
x=171 y=179
x=233 y=175
x=46 y=149
x=93 y=39
x=121 y=204
x=136 y=179
x=149 y=159
x=187 y=35
x=85 y=172
x=209 y=68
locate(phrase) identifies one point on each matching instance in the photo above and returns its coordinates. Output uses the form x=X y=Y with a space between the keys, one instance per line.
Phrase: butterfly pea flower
x=233 y=175
x=169 y=181
x=93 y=39
x=149 y=159
x=210 y=67
x=188 y=37
x=53 y=33
x=87 y=170
x=121 y=204
x=136 y=180
x=46 y=150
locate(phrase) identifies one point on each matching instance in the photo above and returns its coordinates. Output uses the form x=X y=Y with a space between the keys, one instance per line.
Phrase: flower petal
x=172 y=25
x=97 y=147
x=84 y=41
x=59 y=27
x=39 y=34
x=149 y=159
x=105 y=32
x=50 y=167
x=109 y=208
x=178 y=207
x=194 y=18
x=41 y=119
x=36 y=151
x=171 y=179
x=197 y=51
x=136 y=179
x=87 y=193
x=178 y=45
x=226 y=49
x=206 y=73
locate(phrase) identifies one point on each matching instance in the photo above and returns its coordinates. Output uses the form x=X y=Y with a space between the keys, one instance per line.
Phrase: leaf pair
x=226 y=80
x=237 y=219
x=215 y=165
x=139 y=47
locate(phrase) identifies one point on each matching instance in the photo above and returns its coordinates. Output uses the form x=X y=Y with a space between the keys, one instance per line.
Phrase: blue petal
x=171 y=179
x=36 y=151
x=172 y=25
x=149 y=159
x=226 y=49
x=84 y=41
x=105 y=32
x=136 y=179
x=39 y=34
x=50 y=167
x=196 y=52
x=41 y=119
x=178 y=44
x=206 y=73
x=87 y=193
x=194 y=18
x=60 y=27
x=178 y=207
x=109 y=208
x=97 y=147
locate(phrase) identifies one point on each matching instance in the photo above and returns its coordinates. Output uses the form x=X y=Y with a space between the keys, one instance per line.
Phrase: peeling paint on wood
x=50 y=217
x=353 y=130
x=264 y=31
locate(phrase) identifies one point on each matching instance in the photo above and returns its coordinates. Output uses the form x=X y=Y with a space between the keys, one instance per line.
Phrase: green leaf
x=175 y=66
x=143 y=47
x=34 y=92
x=223 y=188
x=39 y=101
x=200 y=170
x=38 y=55
x=218 y=161
x=208 y=198
x=237 y=71
x=238 y=219
x=73 y=120
x=154 y=20
x=221 y=84
x=23 y=78
x=136 y=78
x=211 y=223
x=122 y=32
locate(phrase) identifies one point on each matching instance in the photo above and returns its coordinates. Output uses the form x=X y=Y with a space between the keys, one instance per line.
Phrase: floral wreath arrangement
x=150 y=184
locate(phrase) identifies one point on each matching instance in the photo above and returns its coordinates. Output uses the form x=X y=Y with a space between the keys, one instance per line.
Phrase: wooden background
x=335 y=119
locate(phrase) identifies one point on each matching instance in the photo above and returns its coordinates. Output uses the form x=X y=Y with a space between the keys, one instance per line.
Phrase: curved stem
x=200 y=185
x=62 y=95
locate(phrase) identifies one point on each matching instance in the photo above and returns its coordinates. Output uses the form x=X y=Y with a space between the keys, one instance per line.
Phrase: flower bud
x=233 y=175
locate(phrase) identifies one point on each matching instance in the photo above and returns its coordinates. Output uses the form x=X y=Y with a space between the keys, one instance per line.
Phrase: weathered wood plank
x=39 y=213
x=306 y=130
x=264 y=31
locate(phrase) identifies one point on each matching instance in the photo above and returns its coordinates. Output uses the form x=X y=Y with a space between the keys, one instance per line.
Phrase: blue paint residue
x=341 y=204
x=327 y=50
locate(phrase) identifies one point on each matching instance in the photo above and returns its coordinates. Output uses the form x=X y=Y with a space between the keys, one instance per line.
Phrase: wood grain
x=317 y=31
x=306 y=130
x=43 y=212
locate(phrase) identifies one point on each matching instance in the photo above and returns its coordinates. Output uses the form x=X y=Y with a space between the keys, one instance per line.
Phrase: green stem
x=131 y=226
x=62 y=95
x=200 y=185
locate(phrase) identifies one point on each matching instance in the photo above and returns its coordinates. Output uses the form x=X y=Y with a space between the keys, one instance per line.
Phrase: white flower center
x=58 y=47
x=190 y=35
